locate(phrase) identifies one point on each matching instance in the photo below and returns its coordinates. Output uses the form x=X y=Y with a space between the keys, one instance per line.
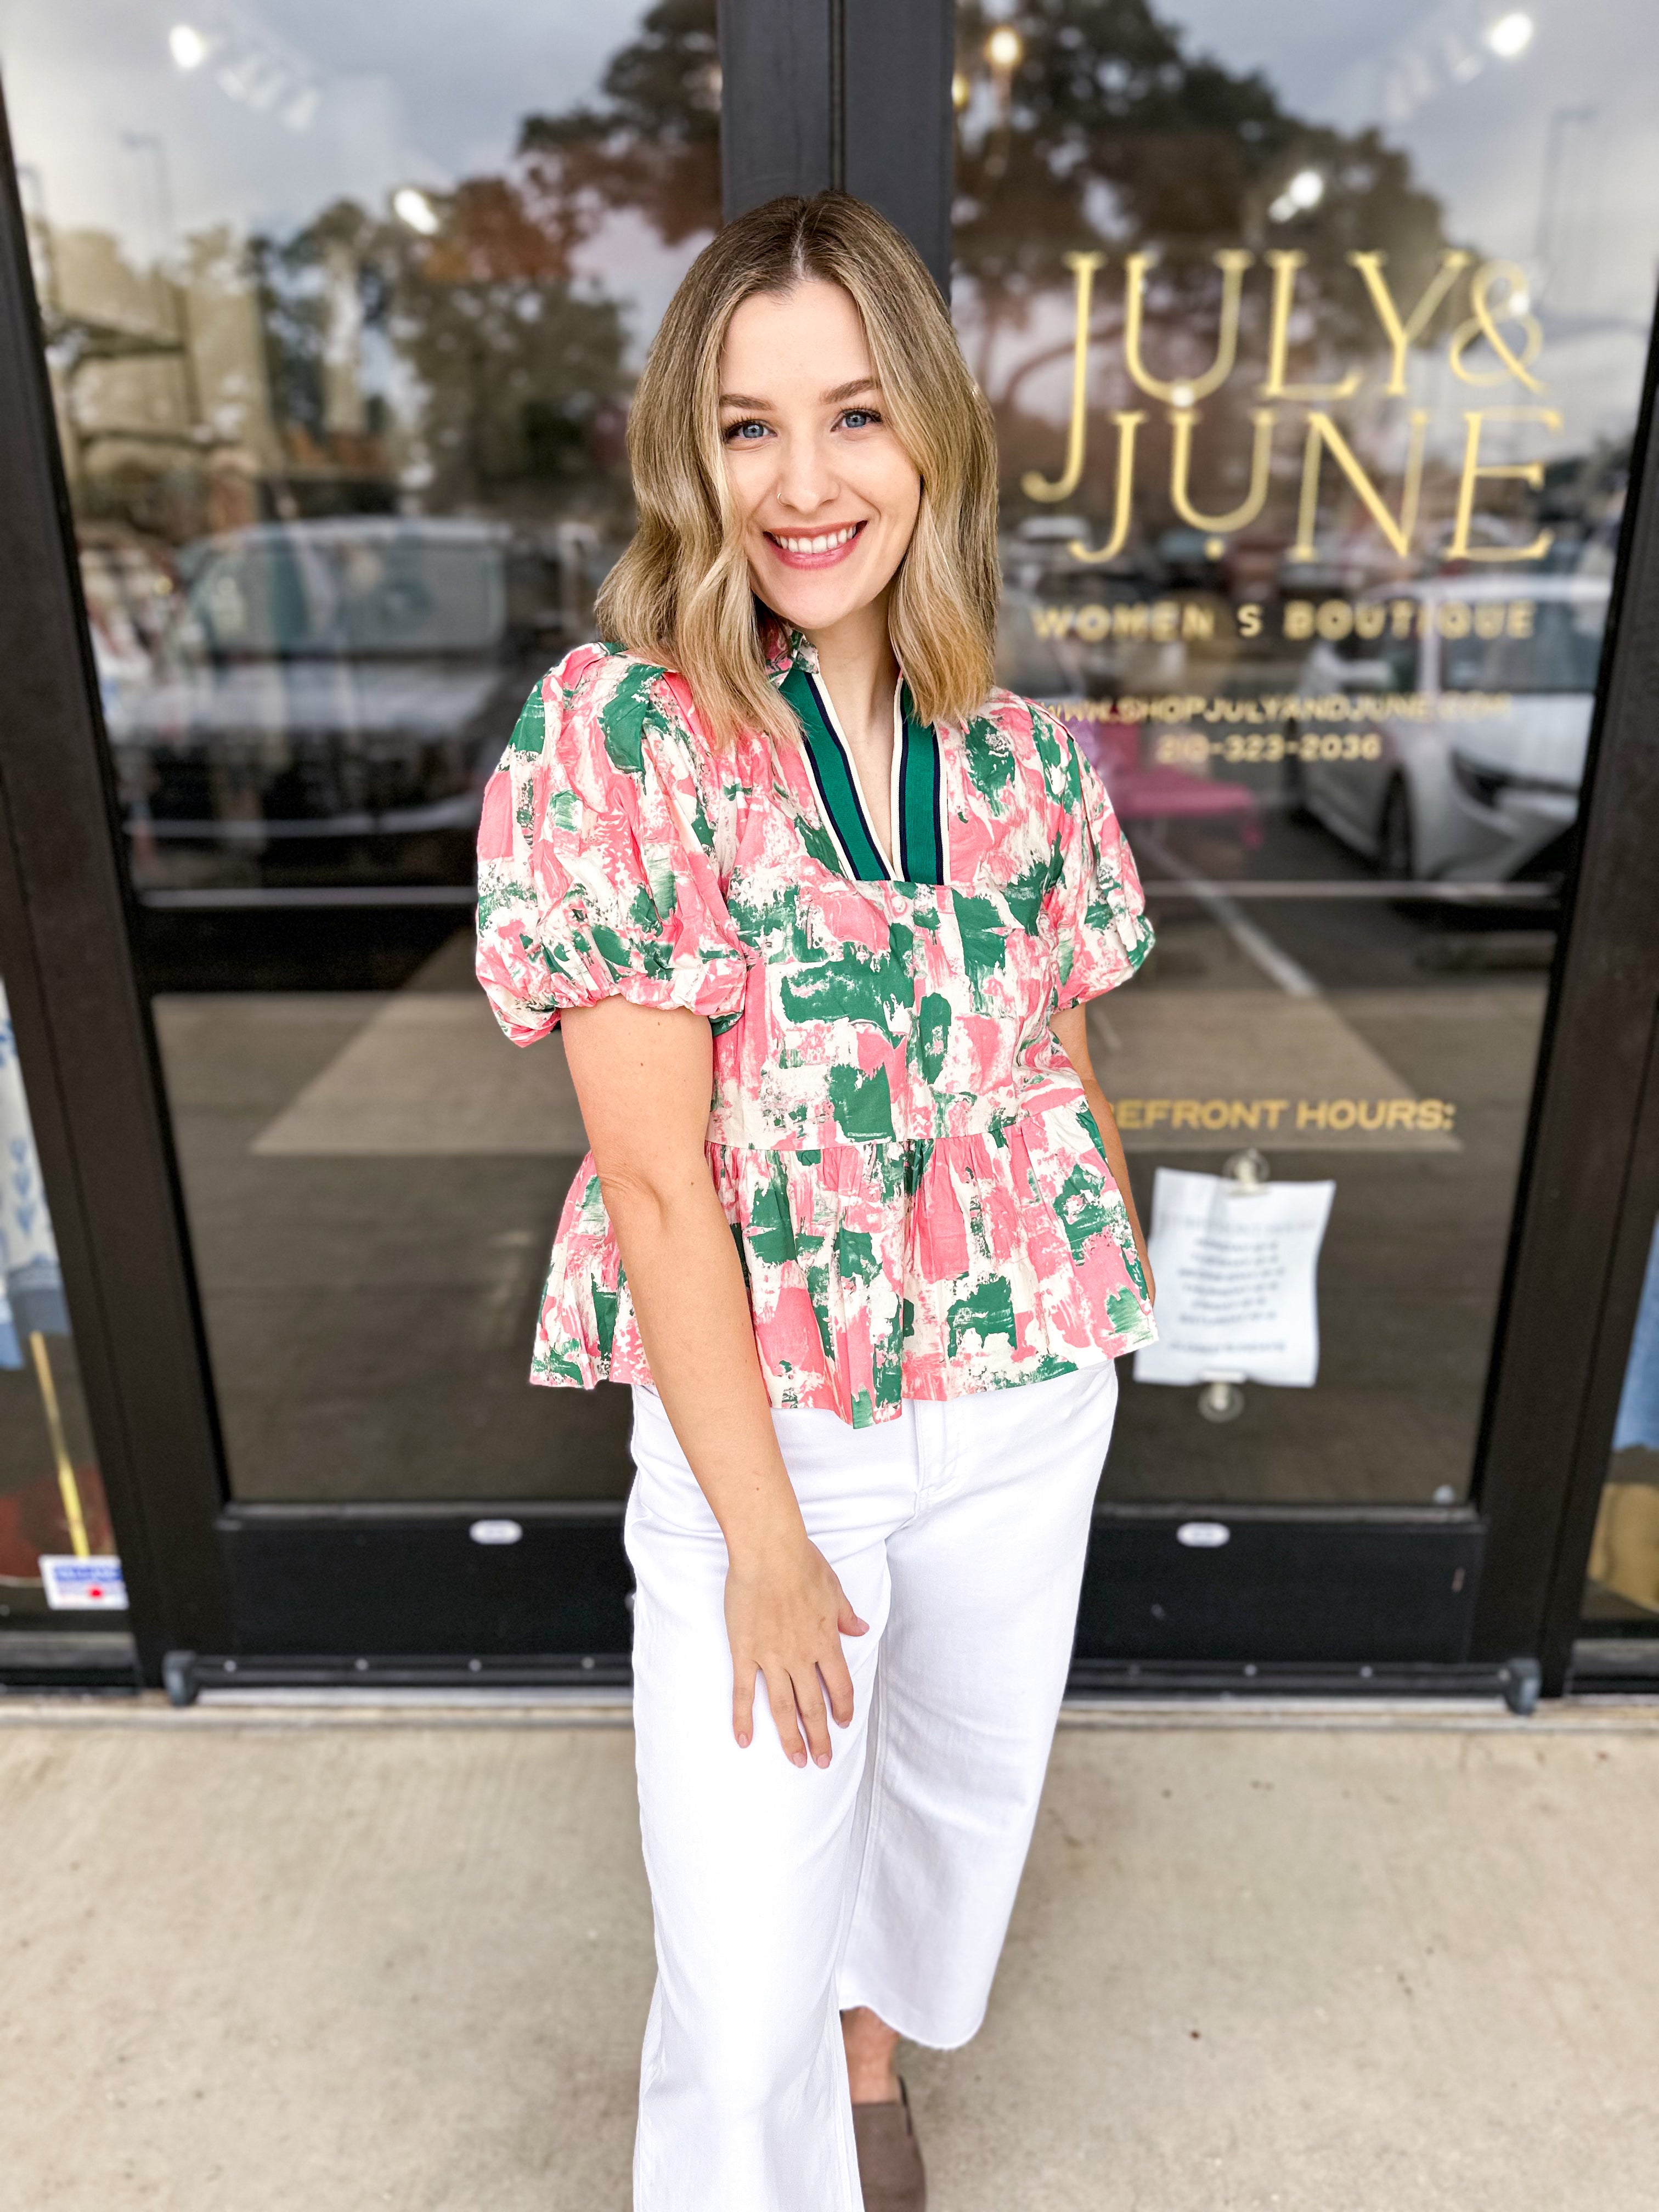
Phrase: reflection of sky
x=1479 y=132
x=334 y=98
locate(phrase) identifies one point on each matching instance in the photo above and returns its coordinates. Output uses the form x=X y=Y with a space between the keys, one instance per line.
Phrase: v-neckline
x=915 y=807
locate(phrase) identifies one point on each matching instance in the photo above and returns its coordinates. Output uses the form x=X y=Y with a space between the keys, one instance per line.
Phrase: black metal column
x=777 y=133
x=83 y=1026
x=854 y=93
x=1569 y=1304
x=897 y=123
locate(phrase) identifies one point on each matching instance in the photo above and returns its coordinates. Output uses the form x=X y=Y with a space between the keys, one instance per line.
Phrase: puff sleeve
x=1095 y=905
x=598 y=875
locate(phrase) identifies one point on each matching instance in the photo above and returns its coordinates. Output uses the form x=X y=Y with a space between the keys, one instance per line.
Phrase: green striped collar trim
x=917 y=803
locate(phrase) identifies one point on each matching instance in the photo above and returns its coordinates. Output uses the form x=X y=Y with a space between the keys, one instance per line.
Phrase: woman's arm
x=1070 y=1032
x=643 y=1080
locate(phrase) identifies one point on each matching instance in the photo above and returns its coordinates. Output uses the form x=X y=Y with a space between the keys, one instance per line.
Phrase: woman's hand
x=786 y=1613
x=643 y=1078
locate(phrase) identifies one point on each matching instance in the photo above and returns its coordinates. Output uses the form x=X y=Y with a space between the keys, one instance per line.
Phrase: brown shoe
x=890 y=2158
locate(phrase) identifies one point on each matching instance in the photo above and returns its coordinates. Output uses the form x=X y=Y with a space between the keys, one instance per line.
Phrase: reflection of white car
x=327 y=700
x=1481 y=783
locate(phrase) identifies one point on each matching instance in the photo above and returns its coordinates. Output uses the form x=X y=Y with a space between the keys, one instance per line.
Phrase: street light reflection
x=1512 y=34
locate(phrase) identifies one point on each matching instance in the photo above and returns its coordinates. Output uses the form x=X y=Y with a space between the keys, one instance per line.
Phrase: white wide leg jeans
x=782 y=1895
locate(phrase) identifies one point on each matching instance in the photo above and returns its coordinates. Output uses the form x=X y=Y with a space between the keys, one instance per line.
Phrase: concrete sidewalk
x=1321 y=1961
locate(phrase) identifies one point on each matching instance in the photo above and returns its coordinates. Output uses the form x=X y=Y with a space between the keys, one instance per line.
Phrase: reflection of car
x=1473 y=770
x=1190 y=559
x=129 y=592
x=1038 y=557
x=328 y=700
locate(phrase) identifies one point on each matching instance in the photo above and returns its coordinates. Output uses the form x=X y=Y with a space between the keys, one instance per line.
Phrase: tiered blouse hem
x=856 y=1255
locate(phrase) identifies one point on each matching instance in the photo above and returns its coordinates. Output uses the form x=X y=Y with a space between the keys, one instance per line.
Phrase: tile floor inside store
x=346 y=1959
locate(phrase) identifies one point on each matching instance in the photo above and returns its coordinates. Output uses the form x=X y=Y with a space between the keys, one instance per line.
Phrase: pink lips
x=827 y=559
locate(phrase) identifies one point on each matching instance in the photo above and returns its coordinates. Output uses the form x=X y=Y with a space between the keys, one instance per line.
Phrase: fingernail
x=797 y=1758
x=824 y=1758
x=743 y=1743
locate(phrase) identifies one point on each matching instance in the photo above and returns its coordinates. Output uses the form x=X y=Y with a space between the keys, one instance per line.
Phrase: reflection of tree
x=513 y=369
x=654 y=145
x=519 y=368
x=1106 y=135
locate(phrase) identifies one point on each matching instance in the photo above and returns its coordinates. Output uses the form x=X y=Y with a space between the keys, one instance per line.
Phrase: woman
x=782 y=847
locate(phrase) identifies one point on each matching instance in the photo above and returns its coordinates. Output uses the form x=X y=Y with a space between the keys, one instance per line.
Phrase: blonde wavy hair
x=681 y=594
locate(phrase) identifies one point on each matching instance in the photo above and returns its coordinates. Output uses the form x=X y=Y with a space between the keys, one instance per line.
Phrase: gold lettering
x=1249 y=619
x=1483 y=324
x=1123 y=508
x=1298 y=618
x=1272 y=1108
x=1185 y=1114
x=1184 y=392
x=1037 y=487
x=1530 y=473
x=1322 y=432
x=1285 y=266
x=1181 y=420
x=1129 y=618
x=1197 y=622
x=1401 y=336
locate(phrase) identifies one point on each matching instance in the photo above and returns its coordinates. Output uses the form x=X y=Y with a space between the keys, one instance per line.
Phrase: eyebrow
x=827 y=398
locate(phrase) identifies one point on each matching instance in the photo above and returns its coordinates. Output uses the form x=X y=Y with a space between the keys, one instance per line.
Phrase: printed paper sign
x=89 y=1585
x=1235 y=1266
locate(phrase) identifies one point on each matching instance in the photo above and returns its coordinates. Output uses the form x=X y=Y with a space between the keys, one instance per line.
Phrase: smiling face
x=828 y=495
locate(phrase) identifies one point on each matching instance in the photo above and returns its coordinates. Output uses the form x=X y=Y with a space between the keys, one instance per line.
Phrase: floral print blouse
x=914 y=1182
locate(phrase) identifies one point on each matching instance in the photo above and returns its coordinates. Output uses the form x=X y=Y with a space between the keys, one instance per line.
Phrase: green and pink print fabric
x=913 y=1180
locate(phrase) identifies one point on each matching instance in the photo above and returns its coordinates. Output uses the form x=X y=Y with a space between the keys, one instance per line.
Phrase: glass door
x=1621 y=1587
x=59 y=1567
x=1316 y=341
x=341 y=327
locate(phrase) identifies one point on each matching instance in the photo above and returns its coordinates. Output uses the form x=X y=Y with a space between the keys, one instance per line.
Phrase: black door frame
x=852 y=92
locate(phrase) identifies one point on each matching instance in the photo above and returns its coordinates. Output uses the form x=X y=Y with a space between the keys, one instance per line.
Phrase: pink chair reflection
x=1161 y=791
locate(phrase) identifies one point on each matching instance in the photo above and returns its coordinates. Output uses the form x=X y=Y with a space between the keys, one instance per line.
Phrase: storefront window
x=56 y=1552
x=342 y=312
x=1621 y=1594
x=1314 y=338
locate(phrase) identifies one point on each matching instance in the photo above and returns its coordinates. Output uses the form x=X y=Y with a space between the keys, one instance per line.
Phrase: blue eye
x=855 y=418
x=736 y=431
